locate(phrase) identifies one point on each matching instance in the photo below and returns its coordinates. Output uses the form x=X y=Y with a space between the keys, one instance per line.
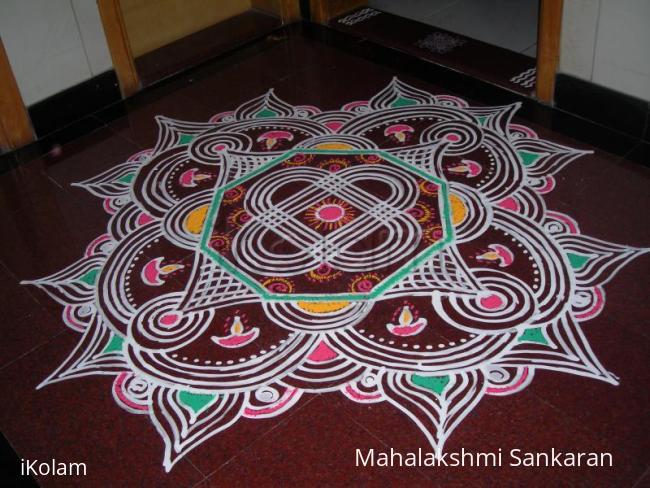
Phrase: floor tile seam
x=422 y=472
x=30 y=291
x=10 y=272
x=72 y=198
x=538 y=397
x=353 y=419
x=34 y=291
x=283 y=421
x=646 y=474
x=574 y=420
x=533 y=44
x=66 y=187
x=639 y=144
x=199 y=482
x=204 y=477
x=30 y=351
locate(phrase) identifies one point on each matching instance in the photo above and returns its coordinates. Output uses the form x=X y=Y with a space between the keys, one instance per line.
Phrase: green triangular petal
x=195 y=401
x=265 y=113
x=127 y=178
x=533 y=335
x=577 y=261
x=185 y=139
x=90 y=277
x=403 y=102
x=436 y=384
x=115 y=344
x=528 y=158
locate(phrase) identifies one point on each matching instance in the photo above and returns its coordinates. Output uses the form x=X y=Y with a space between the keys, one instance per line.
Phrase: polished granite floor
x=46 y=224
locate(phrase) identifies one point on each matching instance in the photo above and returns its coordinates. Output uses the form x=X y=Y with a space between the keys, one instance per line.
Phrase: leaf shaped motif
x=183 y=428
x=595 y=262
x=436 y=405
x=74 y=285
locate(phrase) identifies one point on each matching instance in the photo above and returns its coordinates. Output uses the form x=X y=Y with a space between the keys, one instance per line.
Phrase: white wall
x=52 y=44
x=608 y=42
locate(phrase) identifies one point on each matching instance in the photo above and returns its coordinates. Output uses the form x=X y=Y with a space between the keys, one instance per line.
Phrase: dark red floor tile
x=22 y=186
x=87 y=157
x=227 y=446
x=227 y=89
x=317 y=446
x=644 y=480
x=25 y=324
x=522 y=421
x=298 y=66
x=78 y=421
x=48 y=228
x=297 y=70
x=529 y=424
x=625 y=298
x=617 y=414
x=339 y=89
x=613 y=204
x=139 y=125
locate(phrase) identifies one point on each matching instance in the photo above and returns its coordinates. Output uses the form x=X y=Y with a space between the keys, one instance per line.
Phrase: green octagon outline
x=382 y=286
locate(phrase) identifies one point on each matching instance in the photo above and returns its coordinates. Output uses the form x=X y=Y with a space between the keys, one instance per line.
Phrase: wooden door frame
x=548 y=48
x=15 y=126
x=287 y=10
x=119 y=46
x=322 y=11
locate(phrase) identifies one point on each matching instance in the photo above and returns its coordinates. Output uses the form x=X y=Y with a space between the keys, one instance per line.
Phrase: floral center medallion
x=330 y=213
x=396 y=250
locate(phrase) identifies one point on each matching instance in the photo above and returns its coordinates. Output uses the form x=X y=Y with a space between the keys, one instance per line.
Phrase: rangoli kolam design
x=396 y=250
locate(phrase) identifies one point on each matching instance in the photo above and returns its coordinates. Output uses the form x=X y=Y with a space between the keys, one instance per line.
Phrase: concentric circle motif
x=397 y=250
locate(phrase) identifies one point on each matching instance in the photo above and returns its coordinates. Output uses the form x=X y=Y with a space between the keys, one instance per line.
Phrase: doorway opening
x=495 y=40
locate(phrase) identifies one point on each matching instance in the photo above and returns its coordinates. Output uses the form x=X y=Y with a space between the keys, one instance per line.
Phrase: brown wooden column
x=287 y=10
x=548 y=48
x=15 y=127
x=119 y=46
x=323 y=11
